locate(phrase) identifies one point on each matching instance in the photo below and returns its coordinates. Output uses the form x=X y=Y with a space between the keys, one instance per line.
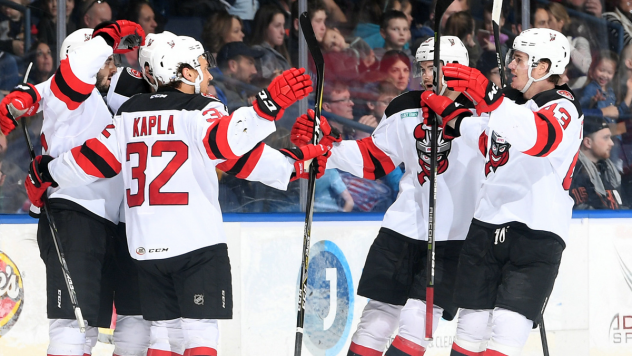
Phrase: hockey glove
x=303 y=129
x=442 y=106
x=470 y=81
x=38 y=180
x=301 y=168
x=122 y=35
x=304 y=155
x=22 y=101
x=285 y=90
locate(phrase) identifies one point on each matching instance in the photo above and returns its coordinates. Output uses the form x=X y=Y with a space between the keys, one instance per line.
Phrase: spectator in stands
x=395 y=30
x=369 y=16
x=47 y=26
x=623 y=79
x=42 y=59
x=596 y=182
x=580 y=47
x=12 y=193
x=599 y=93
x=540 y=17
x=488 y=65
x=622 y=15
x=331 y=193
x=12 y=30
x=456 y=6
x=347 y=61
x=237 y=62
x=395 y=68
x=269 y=36
x=386 y=92
x=221 y=28
x=486 y=37
x=142 y=13
x=592 y=7
x=461 y=25
x=93 y=12
x=317 y=11
x=337 y=100
x=245 y=10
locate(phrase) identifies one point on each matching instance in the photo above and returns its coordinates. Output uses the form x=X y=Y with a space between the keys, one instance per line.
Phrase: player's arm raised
x=371 y=158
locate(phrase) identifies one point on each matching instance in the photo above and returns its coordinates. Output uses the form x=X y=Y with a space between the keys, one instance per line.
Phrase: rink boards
x=589 y=312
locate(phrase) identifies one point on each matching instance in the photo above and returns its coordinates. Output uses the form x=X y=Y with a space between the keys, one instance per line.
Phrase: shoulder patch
x=567 y=94
x=134 y=73
x=405 y=101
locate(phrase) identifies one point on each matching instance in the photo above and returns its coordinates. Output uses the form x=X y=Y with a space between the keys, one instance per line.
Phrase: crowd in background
x=369 y=48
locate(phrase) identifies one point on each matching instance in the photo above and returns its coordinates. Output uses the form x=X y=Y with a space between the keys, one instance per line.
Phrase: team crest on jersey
x=134 y=73
x=422 y=137
x=567 y=94
x=498 y=153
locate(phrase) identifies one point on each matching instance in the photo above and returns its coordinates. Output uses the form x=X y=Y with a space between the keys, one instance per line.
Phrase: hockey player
x=394 y=273
x=167 y=146
x=86 y=217
x=513 y=249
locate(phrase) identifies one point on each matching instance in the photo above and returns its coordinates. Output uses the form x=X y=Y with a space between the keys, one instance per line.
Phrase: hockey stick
x=317 y=56
x=545 y=344
x=498 y=4
x=440 y=8
x=51 y=223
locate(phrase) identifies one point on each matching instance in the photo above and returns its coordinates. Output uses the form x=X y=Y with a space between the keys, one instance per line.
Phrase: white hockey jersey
x=531 y=154
x=74 y=112
x=167 y=146
x=402 y=138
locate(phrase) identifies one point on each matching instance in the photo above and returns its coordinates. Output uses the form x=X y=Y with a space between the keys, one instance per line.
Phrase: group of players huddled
x=129 y=166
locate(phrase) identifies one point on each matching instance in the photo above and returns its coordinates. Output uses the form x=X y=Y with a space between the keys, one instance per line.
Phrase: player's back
x=171 y=186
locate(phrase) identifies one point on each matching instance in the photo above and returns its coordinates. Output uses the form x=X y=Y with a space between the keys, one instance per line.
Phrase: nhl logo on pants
x=198 y=299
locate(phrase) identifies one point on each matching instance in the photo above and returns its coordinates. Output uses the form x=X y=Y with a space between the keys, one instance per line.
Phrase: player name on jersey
x=143 y=126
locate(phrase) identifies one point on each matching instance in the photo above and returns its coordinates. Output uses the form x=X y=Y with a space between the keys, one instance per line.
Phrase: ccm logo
x=154 y=250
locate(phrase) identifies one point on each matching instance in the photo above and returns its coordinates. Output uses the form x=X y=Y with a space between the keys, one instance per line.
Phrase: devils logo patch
x=422 y=137
x=498 y=153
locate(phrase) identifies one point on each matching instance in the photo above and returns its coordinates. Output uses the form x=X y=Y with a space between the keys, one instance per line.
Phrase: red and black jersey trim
x=216 y=140
x=376 y=163
x=243 y=166
x=96 y=160
x=68 y=88
x=549 y=134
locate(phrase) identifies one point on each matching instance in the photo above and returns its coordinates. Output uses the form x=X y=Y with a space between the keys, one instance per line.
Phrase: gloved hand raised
x=485 y=95
x=22 y=101
x=442 y=106
x=289 y=87
x=122 y=35
x=303 y=129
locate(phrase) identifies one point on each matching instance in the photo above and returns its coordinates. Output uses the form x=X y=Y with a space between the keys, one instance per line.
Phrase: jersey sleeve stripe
x=68 y=88
x=377 y=164
x=549 y=134
x=96 y=160
x=243 y=166
x=216 y=140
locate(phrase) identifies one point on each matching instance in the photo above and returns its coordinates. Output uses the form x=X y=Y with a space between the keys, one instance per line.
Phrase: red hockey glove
x=38 y=180
x=122 y=35
x=22 y=101
x=285 y=90
x=303 y=155
x=301 y=168
x=303 y=129
x=442 y=106
x=471 y=82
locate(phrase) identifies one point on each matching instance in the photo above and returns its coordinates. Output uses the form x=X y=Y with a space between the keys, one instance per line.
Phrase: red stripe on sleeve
x=252 y=161
x=85 y=164
x=72 y=105
x=207 y=146
x=363 y=351
x=226 y=165
x=200 y=351
x=221 y=138
x=547 y=140
x=99 y=148
x=376 y=163
x=71 y=79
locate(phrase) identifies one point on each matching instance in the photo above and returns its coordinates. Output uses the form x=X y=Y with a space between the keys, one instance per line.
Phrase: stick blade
x=310 y=38
x=498 y=5
x=440 y=8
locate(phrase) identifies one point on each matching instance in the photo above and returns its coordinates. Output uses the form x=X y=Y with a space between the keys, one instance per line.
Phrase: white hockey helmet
x=153 y=44
x=74 y=41
x=538 y=44
x=180 y=50
x=452 y=51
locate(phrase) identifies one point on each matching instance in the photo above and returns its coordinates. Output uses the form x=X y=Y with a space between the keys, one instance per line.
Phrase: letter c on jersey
x=330 y=300
x=11 y=294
